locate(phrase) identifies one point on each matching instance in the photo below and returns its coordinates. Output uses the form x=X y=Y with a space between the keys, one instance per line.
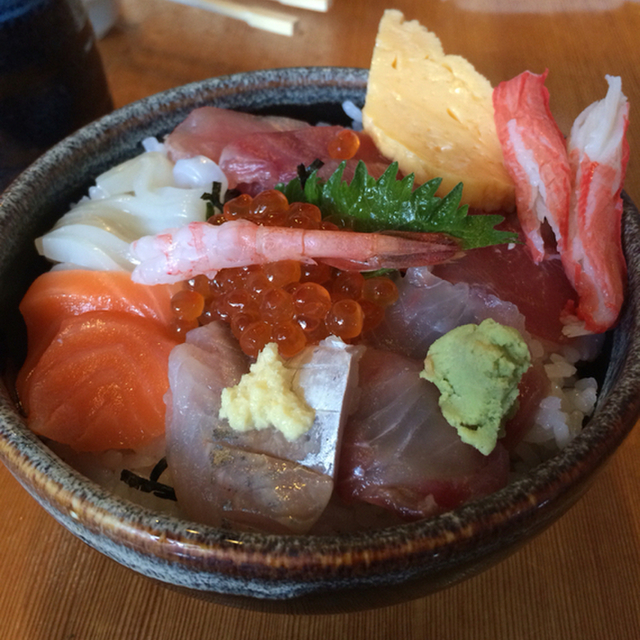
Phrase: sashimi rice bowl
x=268 y=337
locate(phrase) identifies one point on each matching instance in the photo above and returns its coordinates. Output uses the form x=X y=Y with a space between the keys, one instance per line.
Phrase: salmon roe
x=290 y=303
x=344 y=146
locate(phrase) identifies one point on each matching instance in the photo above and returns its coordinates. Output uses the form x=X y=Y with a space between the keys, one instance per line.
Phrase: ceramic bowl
x=272 y=572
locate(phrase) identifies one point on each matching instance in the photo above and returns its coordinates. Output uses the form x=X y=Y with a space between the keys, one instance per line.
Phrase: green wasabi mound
x=477 y=369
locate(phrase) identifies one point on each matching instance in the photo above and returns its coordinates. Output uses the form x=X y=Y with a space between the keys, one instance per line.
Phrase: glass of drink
x=51 y=78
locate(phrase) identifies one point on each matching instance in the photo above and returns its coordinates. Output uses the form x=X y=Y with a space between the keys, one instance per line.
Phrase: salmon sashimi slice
x=56 y=295
x=536 y=158
x=100 y=383
x=207 y=131
x=593 y=259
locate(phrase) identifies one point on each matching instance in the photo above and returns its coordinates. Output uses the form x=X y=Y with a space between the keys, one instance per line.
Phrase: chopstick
x=265 y=19
x=312 y=5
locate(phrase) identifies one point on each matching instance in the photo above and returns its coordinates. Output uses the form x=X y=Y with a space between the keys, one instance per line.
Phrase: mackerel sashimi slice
x=253 y=479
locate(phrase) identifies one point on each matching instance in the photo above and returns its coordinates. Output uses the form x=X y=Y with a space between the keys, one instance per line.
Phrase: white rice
x=355 y=113
x=561 y=415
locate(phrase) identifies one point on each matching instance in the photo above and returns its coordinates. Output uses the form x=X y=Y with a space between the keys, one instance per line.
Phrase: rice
x=560 y=416
x=355 y=113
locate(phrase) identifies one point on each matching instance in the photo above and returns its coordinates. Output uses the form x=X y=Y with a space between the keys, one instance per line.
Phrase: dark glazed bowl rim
x=276 y=567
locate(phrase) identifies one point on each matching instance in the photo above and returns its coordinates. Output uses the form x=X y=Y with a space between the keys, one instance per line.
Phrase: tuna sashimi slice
x=534 y=387
x=593 y=260
x=540 y=292
x=429 y=306
x=207 y=130
x=257 y=162
x=399 y=452
x=535 y=157
x=99 y=385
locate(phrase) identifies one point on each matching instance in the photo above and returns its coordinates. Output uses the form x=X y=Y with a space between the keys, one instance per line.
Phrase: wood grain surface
x=578 y=580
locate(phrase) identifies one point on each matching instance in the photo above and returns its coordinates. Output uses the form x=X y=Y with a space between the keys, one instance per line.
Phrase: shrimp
x=202 y=248
x=593 y=259
x=535 y=157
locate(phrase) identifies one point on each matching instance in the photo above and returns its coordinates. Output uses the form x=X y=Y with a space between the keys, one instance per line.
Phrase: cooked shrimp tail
x=394 y=250
x=202 y=248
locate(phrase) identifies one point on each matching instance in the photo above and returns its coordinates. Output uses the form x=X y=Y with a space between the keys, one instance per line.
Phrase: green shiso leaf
x=367 y=204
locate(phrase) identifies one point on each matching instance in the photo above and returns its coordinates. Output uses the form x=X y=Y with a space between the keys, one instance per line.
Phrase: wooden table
x=581 y=578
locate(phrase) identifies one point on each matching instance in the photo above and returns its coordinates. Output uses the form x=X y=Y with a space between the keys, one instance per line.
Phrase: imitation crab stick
x=576 y=188
x=96 y=370
x=594 y=262
x=535 y=157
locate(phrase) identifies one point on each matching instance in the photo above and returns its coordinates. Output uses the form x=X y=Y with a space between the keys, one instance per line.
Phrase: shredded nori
x=213 y=199
x=305 y=172
x=214 y=202
x=158 y=470
x=151 y=484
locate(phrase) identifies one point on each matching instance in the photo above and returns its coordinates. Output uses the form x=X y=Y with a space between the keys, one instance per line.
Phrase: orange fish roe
x=188 y=304
x=291 y=303
x=344 y=146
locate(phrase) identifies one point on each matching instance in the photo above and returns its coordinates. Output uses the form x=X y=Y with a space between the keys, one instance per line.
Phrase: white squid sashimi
x=399 y=452
x=85 y=246
x=142 y=196
x=146 y=172
x=428 y=307
x=152 y=170
x=254 y=479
